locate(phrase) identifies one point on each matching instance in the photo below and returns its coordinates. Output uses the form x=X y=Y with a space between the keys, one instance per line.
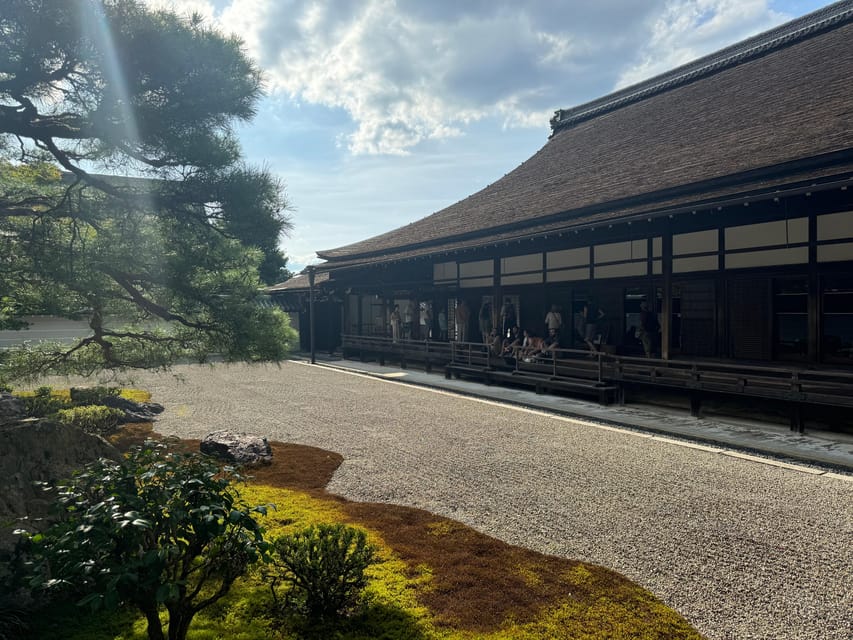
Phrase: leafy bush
x=42 y=402
x=92 y=395
x=325 y=566
x=95 y=419
x=162 y=530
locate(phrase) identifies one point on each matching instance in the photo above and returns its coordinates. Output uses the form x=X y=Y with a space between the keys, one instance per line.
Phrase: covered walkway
x=740 y=436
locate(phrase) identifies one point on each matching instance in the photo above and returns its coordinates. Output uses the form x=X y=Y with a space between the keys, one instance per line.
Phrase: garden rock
x=133 y=411
x=39 y=451
x=11 y=408
x=238 y=448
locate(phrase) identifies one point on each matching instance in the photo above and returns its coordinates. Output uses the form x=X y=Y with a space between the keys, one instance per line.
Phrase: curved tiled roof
x=298 y=282
x=812 y=180
x=784 y=35
x=789 y=99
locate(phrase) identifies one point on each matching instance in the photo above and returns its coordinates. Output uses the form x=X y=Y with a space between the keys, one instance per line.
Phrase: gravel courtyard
x=743 y=550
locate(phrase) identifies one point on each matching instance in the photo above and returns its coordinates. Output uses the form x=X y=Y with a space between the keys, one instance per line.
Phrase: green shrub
x=161 y=531
x=324 y=566
x=95 y=419
x=92 y=395
x=42 y=402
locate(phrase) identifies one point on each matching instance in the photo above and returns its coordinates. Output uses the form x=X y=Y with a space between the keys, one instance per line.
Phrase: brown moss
x=132 y=434
x=298 y=467
x=478 y=582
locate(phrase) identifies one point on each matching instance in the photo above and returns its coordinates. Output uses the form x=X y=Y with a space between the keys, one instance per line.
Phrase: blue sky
x=380 y=112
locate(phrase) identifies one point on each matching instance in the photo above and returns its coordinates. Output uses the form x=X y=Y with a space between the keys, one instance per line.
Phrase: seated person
x=530 y=346
x=550 y=345
x=511 y=344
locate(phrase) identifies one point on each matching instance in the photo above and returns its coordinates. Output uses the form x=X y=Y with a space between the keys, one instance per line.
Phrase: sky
x=381 y=112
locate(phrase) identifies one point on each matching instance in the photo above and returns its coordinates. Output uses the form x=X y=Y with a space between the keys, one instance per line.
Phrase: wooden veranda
x=606 y=377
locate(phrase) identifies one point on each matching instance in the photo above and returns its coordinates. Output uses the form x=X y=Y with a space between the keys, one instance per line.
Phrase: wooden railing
x=790 y=384
x=427 y=352
x=582 y=369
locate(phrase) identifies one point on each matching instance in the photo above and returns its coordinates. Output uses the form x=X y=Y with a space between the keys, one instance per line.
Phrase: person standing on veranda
x=485 y=321
x=396 y=323
x=554 y=320
x=425 y=321
x=649 y=328
x=463 y=315
x=508 y=317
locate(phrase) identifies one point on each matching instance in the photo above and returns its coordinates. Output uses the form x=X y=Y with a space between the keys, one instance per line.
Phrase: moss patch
x=471 y=585
x=436 y=578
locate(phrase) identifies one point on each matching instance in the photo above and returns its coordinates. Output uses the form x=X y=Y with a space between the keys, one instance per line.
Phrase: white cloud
x=689 y=29
x=558 y=49
x=410 y=71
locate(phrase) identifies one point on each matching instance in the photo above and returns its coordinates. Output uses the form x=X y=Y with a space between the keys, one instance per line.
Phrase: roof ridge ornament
x=782 y=36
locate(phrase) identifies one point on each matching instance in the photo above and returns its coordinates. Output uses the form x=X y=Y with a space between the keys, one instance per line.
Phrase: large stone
x=39 y=451
x=133 y=411
x=11 y=408
x=238 y=448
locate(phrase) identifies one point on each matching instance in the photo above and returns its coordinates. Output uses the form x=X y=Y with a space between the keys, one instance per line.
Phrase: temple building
x=716 y=197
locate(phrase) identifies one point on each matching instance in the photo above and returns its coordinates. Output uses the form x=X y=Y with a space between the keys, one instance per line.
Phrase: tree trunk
x=179 y=623
x=155 y=627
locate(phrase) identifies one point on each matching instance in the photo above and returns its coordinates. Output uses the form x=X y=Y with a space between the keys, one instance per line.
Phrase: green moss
x=293 y=510
x=580 y=575
x=391 y=609
x=529 y=574
x=135 y=395
x=441 y=528
x=603 y=619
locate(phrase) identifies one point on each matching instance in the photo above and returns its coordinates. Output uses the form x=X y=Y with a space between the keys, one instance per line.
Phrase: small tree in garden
x=162 y=531
x=324 y=566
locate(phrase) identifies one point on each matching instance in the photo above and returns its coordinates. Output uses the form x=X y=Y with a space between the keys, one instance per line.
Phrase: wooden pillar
x=814 y=294
x=311 y=311
x=344 y=327
x=497 y=294
x=415 y=301
x=721 y=346
x=666 y=302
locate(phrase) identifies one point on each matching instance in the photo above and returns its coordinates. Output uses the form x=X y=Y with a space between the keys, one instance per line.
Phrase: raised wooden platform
x=606 y=377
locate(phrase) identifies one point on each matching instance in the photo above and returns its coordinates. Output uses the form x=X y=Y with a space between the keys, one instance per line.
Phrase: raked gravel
x=742 y=549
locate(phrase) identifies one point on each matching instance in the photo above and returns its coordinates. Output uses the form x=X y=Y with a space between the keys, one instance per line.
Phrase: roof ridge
x=779 y=37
